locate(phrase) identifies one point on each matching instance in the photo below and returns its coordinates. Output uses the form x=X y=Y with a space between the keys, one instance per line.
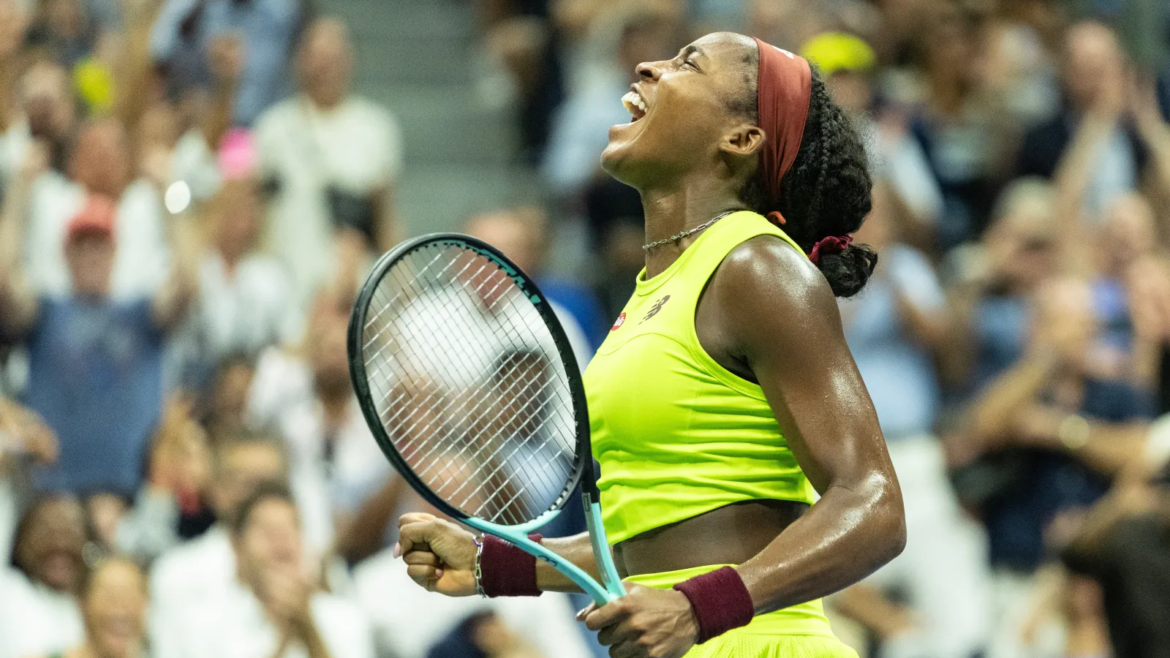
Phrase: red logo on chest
x=620 y=321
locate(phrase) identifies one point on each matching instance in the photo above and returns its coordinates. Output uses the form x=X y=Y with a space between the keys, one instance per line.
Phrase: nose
x=649 y=71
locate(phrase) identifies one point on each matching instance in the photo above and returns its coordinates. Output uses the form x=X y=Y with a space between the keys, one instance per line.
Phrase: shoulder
x=765 y=277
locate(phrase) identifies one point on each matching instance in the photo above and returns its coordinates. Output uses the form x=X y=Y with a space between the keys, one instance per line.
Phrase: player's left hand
x=645 y=623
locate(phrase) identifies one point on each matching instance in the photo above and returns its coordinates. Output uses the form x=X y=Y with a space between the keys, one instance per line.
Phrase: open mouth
x=634 y=103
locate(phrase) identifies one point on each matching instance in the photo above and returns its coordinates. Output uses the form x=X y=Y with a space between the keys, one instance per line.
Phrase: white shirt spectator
x=199 y=570
x=35 y=620
x=234 y=625
x=326 y=488
x=407 y=620
x=140 y=260
x=243 y=311
x=355 y=147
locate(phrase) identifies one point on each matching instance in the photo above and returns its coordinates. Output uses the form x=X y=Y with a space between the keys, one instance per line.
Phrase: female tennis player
x=724 y=398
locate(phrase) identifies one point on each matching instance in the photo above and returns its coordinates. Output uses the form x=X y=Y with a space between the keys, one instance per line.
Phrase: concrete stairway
x=416 y=57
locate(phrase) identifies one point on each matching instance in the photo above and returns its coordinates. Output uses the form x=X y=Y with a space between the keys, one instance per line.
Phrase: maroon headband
x=783 y=94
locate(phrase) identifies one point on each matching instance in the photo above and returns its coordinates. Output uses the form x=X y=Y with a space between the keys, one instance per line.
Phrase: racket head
x=371 y=395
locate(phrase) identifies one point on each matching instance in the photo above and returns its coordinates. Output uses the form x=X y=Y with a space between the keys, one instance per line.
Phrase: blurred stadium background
x=192 y=190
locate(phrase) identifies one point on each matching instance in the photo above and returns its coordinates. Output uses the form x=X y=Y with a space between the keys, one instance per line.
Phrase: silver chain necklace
x=679 y=236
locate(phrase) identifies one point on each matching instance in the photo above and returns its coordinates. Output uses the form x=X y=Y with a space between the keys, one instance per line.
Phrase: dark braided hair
x=827 y=190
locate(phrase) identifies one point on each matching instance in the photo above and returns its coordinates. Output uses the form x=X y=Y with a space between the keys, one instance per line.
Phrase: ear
x=743 y=141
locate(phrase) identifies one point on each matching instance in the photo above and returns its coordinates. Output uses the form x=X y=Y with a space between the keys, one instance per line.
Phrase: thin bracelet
x=479 y=567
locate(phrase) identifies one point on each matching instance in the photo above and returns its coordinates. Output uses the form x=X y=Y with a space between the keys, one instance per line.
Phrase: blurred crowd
x=191 y=192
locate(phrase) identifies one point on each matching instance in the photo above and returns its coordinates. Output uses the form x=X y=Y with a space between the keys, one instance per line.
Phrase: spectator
x=960 y=126
x=45 y=113
x=1123 y=544
x=46 y=202
x=245 y=301
x=38 y=594
x=113 y=605
x=185 y=33
x=273 y=609
x=335 y=462
x=1058 y=432
x=173 y=505
x=1089 y=121
x=995 y=281
x=96 y=362
x=895 y=331
x=202 y=568
x=333 y=158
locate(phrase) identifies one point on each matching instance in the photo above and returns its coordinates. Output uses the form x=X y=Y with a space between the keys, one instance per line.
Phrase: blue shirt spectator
x=268 y=30
x=896 y=366
x=96 y=378
x=1044 y=482
x=95 y=360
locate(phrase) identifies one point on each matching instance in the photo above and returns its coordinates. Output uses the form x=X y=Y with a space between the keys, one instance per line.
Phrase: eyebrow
x=690 y=50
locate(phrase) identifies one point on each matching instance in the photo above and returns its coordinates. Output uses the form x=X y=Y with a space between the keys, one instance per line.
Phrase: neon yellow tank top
x=677 y=434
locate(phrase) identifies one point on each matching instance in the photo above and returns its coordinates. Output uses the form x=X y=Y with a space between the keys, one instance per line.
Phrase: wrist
x=502 y=569
x=719 y=602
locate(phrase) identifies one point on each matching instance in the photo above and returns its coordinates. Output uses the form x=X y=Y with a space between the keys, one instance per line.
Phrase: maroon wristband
x=720 y=601
x=506 y=570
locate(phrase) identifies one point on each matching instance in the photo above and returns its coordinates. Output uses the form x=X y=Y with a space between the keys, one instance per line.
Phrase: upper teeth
x=632 y=100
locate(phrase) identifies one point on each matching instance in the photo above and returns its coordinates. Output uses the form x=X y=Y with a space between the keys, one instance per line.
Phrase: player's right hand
x=439 y=555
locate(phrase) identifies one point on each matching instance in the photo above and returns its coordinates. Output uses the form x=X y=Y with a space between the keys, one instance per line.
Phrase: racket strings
x=467 y=382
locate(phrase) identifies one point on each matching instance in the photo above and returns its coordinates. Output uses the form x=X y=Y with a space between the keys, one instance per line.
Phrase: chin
x=616 y=161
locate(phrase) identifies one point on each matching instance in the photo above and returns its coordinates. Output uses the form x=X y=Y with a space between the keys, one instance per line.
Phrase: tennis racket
x=469 y=385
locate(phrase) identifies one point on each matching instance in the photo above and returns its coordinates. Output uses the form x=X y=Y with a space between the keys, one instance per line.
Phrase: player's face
x=680 y=111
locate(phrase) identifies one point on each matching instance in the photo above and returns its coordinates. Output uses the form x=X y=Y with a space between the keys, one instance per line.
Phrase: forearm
x=1110 y=448
x=363 y=535
x=843 y=538
x=311 y=638
x=18 y=305
x=387 y=232
x=137 y=72
x=1156 y=136
x=869 y=607
x=993 y=412
x=1070 y=182
x=8 y=75
x=181 y=287
x=576 y=549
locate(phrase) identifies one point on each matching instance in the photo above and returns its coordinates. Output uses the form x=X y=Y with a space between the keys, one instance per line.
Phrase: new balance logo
x=655 y=308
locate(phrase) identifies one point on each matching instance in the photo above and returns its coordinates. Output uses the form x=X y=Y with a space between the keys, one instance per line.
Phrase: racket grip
x=507 y=570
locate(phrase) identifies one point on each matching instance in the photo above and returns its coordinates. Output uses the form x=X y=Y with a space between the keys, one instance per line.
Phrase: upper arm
x=782 y=318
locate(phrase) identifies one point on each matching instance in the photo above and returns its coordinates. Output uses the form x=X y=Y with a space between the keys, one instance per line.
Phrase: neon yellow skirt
x=801 y=631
